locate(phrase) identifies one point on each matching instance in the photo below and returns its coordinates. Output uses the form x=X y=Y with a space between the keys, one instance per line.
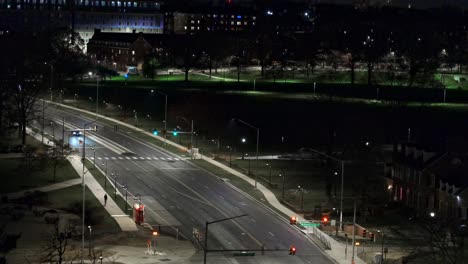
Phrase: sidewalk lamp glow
x=155 y=233
x=432 y=214
x=175 y=133
x=243 y=140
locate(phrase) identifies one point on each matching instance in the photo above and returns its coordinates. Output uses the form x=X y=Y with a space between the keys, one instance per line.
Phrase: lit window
x=232 y=22
x=185 y=27
x=239 y=23
x=192 y=28
x=133 y=52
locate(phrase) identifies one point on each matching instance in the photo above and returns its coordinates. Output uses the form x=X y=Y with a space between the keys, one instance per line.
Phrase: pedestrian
x=105 y=199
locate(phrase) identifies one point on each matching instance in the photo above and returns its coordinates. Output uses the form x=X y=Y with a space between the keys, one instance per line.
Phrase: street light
x=97 y=92
x=258 y=140
x=84 y=191
x=165 y=112
x=94 y=157
x=302 y=197
x=205 y=251
x=115 y=184
x=105 y=180
x=90 y=238
x=342 y=182
x=383 y=242
x=432 y=214
x=269 y=176
x=282 y=192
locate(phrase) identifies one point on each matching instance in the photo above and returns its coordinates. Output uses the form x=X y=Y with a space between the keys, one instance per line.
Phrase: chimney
x=134 y=31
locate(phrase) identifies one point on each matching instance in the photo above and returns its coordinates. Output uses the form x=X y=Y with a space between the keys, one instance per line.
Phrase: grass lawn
x=69 y=199
x=107 y=186
x=16 y=175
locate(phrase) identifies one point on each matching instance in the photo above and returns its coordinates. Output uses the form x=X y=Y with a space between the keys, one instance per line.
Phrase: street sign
x=308 y=224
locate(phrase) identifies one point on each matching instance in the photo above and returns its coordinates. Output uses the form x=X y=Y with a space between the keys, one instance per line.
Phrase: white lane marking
x=148 y=158
x=92 y=158
x=271 y=234
x=135 y=158
x=127 y=158
x=169 y=158
x=253 y=220
x=163 y=158
x=106 y=158
x=114 y=158
x=155 y=158
x=120 y=158
x=99 y=158
x=142 y=158
x=176 y=158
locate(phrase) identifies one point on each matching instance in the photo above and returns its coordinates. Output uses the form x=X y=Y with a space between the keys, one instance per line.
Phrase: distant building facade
x=81 y=15
x=430 y=181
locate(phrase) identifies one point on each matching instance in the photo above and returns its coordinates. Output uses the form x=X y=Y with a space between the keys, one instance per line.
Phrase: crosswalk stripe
x=99 y=158
x=155 y=158
x=106 y=158
x=92 y=158
x=176 y=158
x=127 y=158
x=114 y=158
x=169 y=158
x=135 y=158
x=163 y=158
x=142 y=158
x=148 y=158
x=120 y=158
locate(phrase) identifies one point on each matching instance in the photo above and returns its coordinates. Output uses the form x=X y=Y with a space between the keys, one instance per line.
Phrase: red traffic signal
x=292 y=250
x=325 y=219
x=293 y=220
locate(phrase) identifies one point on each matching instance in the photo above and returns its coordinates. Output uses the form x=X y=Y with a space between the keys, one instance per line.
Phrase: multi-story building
x=430 y=181
x=81 y=15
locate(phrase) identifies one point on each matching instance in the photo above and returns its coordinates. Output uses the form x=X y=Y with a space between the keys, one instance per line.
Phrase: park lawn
x=16 y=176
x=70 y=199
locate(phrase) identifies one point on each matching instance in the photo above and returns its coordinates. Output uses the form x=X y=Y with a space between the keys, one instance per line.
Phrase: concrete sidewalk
x=124 y=221
x=337 y=249
x=47 y=188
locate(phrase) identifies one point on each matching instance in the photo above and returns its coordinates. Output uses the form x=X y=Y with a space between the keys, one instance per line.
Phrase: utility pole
x=63 y=134
x=354 y=231
x=43 y=120
x=191 y=141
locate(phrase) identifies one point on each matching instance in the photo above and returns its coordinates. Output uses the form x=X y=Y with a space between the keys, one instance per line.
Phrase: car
x=76 y=133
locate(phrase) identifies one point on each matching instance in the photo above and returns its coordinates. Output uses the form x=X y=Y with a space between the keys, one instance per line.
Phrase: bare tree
x=57 y=243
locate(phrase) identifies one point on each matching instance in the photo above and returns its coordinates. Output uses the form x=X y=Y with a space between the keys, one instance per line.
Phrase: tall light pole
x=205 y=251
x=383 y=242
x=84 y=192
x=165 y=112
x=258 y=141
x=97 y=92
x=342 y=162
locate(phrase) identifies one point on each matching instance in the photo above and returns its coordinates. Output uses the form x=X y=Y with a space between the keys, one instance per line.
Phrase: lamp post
x=165 y=111
x=383 y=242
x=258 y=141
x=354 y=231
x=302 y=197
x=115 y=184
x=342 y=162
x=282 y=192
x=53 y=131
x=90 y=238
x=205 y=250
x=94 y=157
x=84 y=192
x=269 y=177
x=105 y=170
x=97 y=92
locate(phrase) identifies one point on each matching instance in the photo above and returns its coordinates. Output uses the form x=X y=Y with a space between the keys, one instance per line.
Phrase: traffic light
x=364 y=233
x=325 y=219
x=293 y=220
x=174 y=133
x=292 y=250
x=155 y=132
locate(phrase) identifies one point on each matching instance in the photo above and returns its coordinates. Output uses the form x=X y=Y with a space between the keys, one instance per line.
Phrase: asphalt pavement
x=180 y=195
